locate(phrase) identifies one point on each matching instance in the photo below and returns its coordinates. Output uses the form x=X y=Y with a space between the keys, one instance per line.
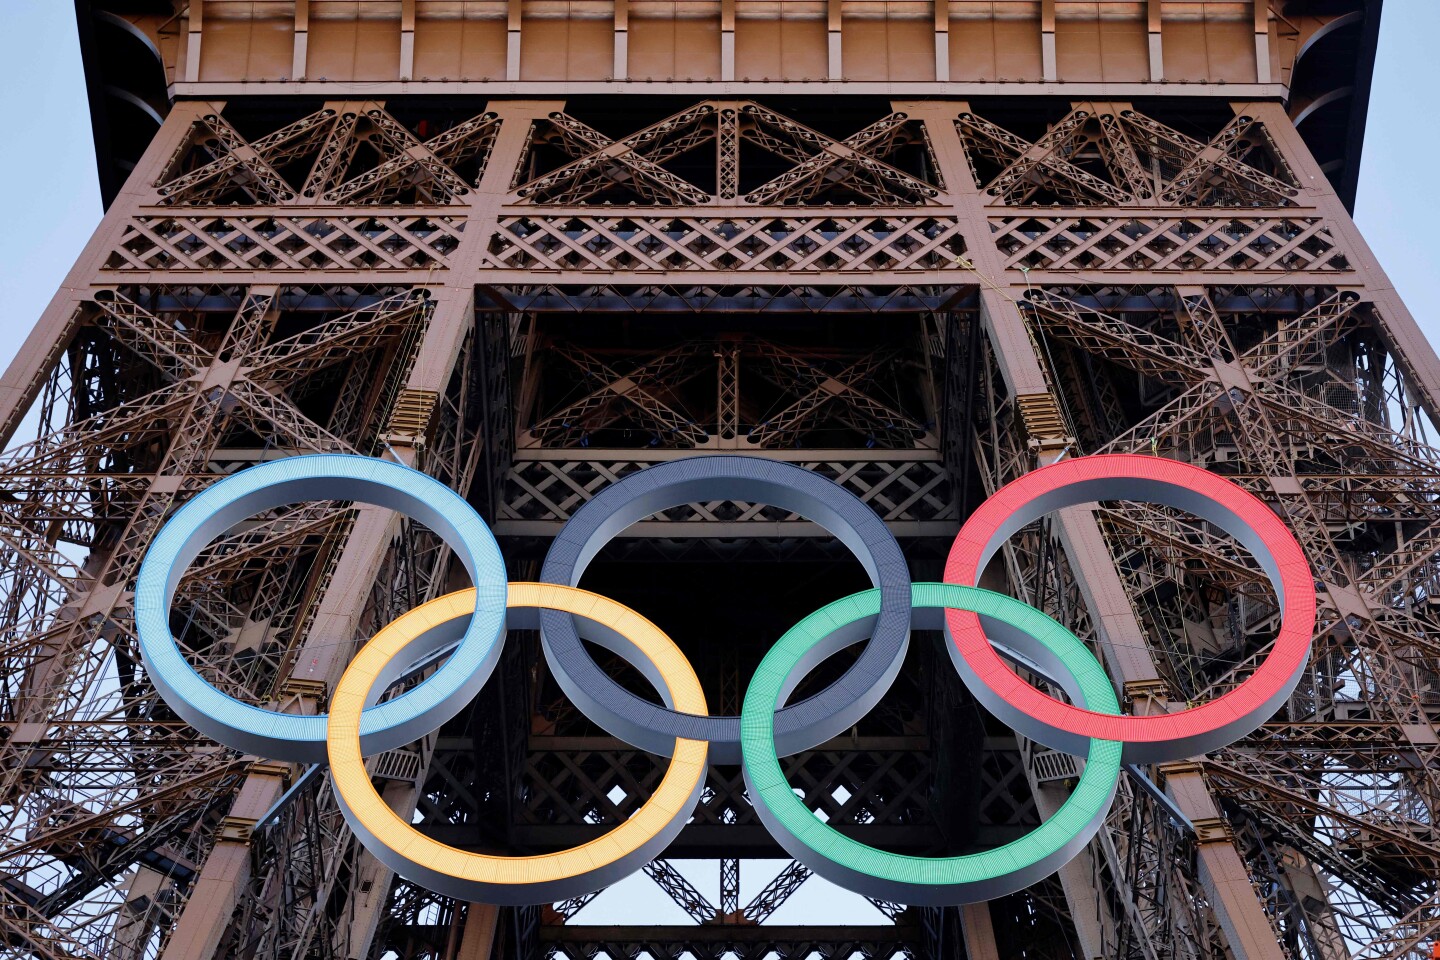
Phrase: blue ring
x=281 y=736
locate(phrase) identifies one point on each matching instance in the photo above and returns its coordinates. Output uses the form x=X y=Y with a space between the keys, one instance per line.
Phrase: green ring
x=925 y=881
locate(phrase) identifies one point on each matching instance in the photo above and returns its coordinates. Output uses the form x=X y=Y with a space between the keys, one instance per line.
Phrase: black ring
x=799 y=726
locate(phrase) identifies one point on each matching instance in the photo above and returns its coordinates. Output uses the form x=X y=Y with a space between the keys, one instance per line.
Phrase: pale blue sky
x=50 y=204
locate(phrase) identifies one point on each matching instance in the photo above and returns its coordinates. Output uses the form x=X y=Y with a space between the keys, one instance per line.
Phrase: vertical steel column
x=1023 y=376
x=1221 y=870
x=226 y=871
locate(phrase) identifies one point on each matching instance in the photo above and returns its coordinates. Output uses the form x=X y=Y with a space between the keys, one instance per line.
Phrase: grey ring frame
x=753 y=480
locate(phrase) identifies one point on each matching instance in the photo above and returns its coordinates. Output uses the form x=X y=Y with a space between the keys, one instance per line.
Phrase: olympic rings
x=514 y=880
x=979 y=623
x=1147 y=739
x=319 y=477
x=798 y=727
x=925 y=881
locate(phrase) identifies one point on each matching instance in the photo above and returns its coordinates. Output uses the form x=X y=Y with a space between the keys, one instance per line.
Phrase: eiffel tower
x=530 y=247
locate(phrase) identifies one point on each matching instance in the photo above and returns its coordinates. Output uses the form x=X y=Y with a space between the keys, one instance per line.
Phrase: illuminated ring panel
x=1147 y=739
x=747 y=479
x=320 y=477
x=927 y=881
x=514 y=880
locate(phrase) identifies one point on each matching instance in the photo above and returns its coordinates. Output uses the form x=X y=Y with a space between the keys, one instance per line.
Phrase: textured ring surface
x=462 y=633
x=321 y=477
x=754 y=480
x=1148 y=739
x=927 y=881
x=514 y=880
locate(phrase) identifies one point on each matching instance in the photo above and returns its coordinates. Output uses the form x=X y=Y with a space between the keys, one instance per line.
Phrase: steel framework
x=530 y=247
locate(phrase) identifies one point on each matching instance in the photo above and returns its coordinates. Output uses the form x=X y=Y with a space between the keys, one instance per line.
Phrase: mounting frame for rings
x=752 y=480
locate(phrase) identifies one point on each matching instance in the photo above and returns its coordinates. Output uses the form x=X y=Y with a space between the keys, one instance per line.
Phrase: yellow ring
x=498 y=879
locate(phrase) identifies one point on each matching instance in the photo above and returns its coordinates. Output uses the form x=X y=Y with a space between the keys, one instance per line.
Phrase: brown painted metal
x=392 y=272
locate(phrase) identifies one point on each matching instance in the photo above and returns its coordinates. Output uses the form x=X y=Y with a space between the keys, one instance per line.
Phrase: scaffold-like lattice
x=531 y=293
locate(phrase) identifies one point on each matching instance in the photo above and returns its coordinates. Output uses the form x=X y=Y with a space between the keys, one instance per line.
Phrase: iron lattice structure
x=530 y=247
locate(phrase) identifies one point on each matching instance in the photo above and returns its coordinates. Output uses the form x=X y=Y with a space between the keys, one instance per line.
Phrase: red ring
x=1281 y=666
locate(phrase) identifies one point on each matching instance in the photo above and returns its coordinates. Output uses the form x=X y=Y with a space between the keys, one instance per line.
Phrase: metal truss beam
x=356 y=279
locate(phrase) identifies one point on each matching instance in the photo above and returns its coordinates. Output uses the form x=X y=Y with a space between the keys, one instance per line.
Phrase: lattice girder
x=850 y=229
x=328 y=141
x=1141 y=162
x=1355 y=636
x=635 y=163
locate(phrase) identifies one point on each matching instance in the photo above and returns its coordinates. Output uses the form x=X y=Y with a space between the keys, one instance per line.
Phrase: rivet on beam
x=236 y=829
x=1213 y=830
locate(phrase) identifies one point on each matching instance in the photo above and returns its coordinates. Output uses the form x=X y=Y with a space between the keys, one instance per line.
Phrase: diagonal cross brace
x=641 y=173
x=267 y=185
x=857 y=151
x=139 y=330
x=1040 y=157
x=824 y=388
x=634 y=388
x=681 y=890
x=407 y=153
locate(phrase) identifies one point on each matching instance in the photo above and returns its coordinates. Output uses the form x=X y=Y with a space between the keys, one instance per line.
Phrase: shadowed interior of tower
x=766 y=380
